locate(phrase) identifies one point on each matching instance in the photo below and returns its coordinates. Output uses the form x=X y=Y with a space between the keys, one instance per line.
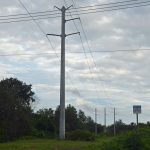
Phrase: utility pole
x=62 y=70
x=105 y=120
x=95 y=121
x=137 y=120
x=114 y=121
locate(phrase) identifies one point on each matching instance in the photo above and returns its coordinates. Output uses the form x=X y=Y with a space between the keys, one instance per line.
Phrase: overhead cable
x=82 y=12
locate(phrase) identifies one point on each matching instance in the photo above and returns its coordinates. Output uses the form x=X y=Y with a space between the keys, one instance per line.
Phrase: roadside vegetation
x=21 y=128
x=127 y=141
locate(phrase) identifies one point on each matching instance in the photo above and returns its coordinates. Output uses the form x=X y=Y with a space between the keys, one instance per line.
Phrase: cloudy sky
x=93 y=80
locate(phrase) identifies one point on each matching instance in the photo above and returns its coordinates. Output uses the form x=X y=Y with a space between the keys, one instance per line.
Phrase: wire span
x=74 y=13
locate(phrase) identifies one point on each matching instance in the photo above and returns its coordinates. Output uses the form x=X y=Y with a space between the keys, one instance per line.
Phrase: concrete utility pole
x=114 y=121
x=95 y=121
x=137 y=120
x=62 y=71
x=105 y=120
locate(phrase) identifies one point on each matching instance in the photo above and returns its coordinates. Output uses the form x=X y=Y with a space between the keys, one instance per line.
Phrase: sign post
x=137 y=111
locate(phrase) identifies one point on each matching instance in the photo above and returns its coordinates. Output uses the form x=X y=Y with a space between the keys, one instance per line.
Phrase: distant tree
x=81 y=120
x=71 y=118
x=90 y=125
x=120 y=127
x=100 y=128
x=74 y=120
x=81 y=116
x=56 y=118
x=43 y=120
x=131 y=126
x=19 y=90
x=15 y=108
x=49 y=113
x=148 y=123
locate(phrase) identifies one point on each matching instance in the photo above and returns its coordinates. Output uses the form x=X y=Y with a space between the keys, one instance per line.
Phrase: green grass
x=44 y=144
x=102 y=143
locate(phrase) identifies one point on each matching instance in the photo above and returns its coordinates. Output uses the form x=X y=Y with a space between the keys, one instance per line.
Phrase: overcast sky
x=119 y=79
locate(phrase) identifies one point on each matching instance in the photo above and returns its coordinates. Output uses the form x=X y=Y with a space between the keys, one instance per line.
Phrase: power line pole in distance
x=62 y=71
x=114 y=121
x=105 y=130
x=95 y=121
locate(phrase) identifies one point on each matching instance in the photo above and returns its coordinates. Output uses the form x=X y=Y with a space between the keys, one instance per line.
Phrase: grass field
x=127 y=141
x=44 y=144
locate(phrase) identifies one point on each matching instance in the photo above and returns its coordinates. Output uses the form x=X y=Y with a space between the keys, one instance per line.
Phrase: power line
x=43 y=12
x=44 y=34
x=114 y=51
x=84 y=51
x=42 y=18
x=24 y=17
x=31 y=17
x=24 y=20
x=82 y=46
x=82 y=27
x=105 y=4
x=96 y=10
x=87 y=43
x=51 y=53
x=32 y=13
x=38 y=25
x=120 y=5
x=57 y=54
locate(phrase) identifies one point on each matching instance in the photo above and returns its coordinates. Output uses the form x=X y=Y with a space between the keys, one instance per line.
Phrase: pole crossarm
x=73 y=19
x=57 y=8
x=69 y=7
x=65 y=8
x=53 y=35
x=73 y=33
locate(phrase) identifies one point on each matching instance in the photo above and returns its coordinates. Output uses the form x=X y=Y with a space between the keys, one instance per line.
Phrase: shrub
x=42 y=134
x=128 y=141
x=132 y=141
x=5 y=136
x=110 y=146
x=80 y=135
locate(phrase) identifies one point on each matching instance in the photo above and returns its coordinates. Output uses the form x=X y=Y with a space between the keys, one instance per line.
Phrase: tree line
x=17 y=117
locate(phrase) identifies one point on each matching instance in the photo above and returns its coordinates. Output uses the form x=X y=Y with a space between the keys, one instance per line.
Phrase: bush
x=42 y=134
x=5 y=136
x=144 y=132
x=128 y=141
x=80 y=135
x=133 y=141
x=111 y=146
